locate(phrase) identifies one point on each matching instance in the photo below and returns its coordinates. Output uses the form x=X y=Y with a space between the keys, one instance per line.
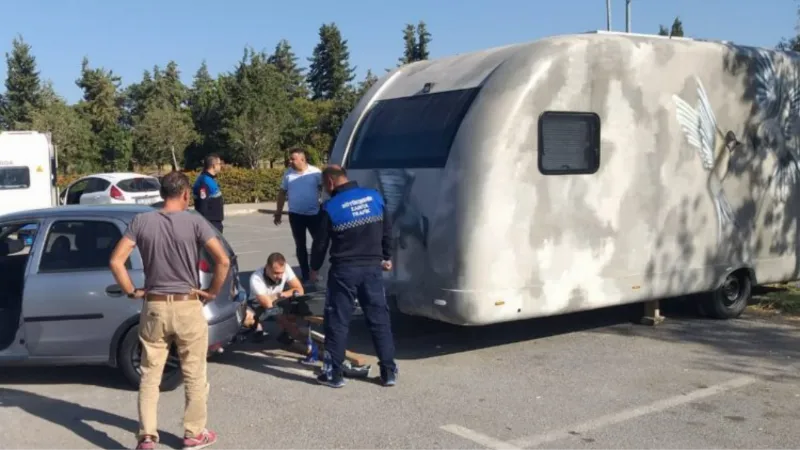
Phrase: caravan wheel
x=730 y=299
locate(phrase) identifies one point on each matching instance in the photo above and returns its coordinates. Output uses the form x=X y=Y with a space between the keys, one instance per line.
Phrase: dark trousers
x=217 y=224
x=344 y=284
x=300 y=223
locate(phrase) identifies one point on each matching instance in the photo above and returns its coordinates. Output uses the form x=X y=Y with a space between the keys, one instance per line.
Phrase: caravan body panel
x=594 y=170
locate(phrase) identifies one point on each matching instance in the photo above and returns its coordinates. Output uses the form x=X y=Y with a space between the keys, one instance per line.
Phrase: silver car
x=60 y=304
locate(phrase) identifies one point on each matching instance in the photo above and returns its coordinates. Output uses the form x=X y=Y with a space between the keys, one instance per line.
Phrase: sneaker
x=388 y=377
x=203 y=440
x=146 y=443
x=331 y=380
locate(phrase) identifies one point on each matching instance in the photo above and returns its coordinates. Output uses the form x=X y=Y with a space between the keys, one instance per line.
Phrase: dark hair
x=210 y=160
x=275 y=258
x=334 y=172
x=174 y=184
x=299 y=151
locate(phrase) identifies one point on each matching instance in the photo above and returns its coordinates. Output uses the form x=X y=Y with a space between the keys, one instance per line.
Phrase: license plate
x=145 y=201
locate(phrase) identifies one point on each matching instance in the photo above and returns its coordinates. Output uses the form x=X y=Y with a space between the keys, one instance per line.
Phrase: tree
x=162 y=133
x=206 y=104
x=285 y=61
x=101 y=106
x=258 y=110
x=415 y=43
x=409 y=45
x=793 y=43
x=423 y=40
x=676 y=30
x=70 y=133
x=330 y=73
x=22 y=95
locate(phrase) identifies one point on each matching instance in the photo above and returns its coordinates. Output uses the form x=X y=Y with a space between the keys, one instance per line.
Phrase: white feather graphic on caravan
x=699 y=125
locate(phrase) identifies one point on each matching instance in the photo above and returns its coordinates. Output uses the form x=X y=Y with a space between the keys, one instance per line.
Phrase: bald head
x=333 y=176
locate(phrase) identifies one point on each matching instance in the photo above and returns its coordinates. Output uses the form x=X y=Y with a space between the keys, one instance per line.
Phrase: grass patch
x=780 y=298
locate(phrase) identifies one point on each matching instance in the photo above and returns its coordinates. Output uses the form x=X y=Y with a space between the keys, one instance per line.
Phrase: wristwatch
x=132 y=294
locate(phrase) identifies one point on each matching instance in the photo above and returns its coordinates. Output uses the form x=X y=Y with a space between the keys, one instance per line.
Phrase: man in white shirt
x=268 y=284
x=302 y=184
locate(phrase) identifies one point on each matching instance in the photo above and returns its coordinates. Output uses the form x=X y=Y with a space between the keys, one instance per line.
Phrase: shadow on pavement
x=101 y=376
x=75 y=418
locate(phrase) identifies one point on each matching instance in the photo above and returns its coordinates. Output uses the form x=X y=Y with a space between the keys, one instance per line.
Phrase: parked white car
x=112 y=188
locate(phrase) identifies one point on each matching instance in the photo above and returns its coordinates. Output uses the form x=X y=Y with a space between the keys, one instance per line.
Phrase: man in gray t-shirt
x=169 y=241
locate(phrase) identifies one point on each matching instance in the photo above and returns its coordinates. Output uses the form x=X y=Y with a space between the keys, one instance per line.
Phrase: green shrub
x=238 y=185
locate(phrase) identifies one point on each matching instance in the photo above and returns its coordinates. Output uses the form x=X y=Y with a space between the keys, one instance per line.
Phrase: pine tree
x=677 y=28
x=330 y=73
x=423 y=39
x=410 y=45
x=23 y=88
x=285 y=61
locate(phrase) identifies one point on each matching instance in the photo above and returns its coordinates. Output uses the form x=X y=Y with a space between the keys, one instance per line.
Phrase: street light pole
x=627 y=16
x=608 y=15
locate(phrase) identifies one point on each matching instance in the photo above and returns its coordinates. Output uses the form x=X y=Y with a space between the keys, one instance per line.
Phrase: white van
x=27 y=171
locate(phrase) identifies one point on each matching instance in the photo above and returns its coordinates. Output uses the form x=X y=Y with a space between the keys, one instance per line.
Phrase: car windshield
x=139 y=184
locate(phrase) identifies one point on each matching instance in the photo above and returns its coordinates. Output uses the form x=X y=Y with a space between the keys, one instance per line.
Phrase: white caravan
x=583 y=171
x=27 y=171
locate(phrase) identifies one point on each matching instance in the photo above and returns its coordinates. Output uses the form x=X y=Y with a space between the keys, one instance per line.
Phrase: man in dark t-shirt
x=169 y=241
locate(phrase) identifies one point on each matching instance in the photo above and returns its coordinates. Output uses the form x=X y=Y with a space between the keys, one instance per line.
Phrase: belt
x=171 y=297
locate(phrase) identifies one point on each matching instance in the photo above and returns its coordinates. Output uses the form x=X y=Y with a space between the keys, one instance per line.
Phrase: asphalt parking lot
x=590 y=380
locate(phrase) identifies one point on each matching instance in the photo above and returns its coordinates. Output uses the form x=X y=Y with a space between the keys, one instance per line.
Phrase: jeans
x=300 y=223
x=161 y=324
x=344 y=284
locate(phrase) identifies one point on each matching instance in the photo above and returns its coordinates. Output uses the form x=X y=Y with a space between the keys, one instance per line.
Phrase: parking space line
x=632 y=413
x=478 y=438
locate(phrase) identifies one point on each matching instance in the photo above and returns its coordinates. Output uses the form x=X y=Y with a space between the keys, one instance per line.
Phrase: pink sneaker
x=203 y=440
x=146 y=443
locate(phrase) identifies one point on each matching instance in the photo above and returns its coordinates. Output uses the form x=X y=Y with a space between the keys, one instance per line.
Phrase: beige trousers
x=183 y=323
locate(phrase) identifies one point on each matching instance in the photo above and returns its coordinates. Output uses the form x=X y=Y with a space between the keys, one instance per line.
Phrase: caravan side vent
x=569 y=143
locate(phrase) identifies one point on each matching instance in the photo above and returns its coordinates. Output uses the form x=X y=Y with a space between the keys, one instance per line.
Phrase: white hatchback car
x=112 y=188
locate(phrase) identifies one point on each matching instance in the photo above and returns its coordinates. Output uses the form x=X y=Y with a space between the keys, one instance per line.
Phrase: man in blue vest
x=355 y=222
x=207 y=194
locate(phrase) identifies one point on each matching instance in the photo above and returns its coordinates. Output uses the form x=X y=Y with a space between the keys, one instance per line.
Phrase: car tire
x=729 y=300
x=130 y=355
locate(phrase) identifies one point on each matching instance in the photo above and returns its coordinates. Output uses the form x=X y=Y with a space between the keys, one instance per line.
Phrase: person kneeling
x=268 y=284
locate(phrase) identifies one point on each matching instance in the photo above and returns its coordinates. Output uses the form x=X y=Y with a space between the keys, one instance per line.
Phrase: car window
x=79 y=245
x=139 y=184
x=96 y=185
x=76 y=190
x=18 y=177
x=17 y=239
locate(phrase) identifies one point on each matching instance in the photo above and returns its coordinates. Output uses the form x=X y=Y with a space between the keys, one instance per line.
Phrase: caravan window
x=409 y=132
x=569 y=143
x=18 y=177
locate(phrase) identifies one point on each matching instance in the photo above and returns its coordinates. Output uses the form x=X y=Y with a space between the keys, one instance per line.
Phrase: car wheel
x=130 y=358
x=729 y=300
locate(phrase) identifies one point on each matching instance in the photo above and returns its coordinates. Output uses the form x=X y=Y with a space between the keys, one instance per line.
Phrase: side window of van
x=569 y=143
x=79 y=245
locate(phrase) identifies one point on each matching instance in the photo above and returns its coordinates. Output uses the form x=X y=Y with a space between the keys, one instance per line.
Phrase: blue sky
x=131 y=36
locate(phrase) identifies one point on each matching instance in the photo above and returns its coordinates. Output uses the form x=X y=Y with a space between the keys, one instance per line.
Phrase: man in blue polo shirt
x=355 y=222
x=207 y=195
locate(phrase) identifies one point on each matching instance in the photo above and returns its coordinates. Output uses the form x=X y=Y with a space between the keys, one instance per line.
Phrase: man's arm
x=386 y=241
x=321 y=240
x=292 y=285
x=122 y=251
x=222 y=263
